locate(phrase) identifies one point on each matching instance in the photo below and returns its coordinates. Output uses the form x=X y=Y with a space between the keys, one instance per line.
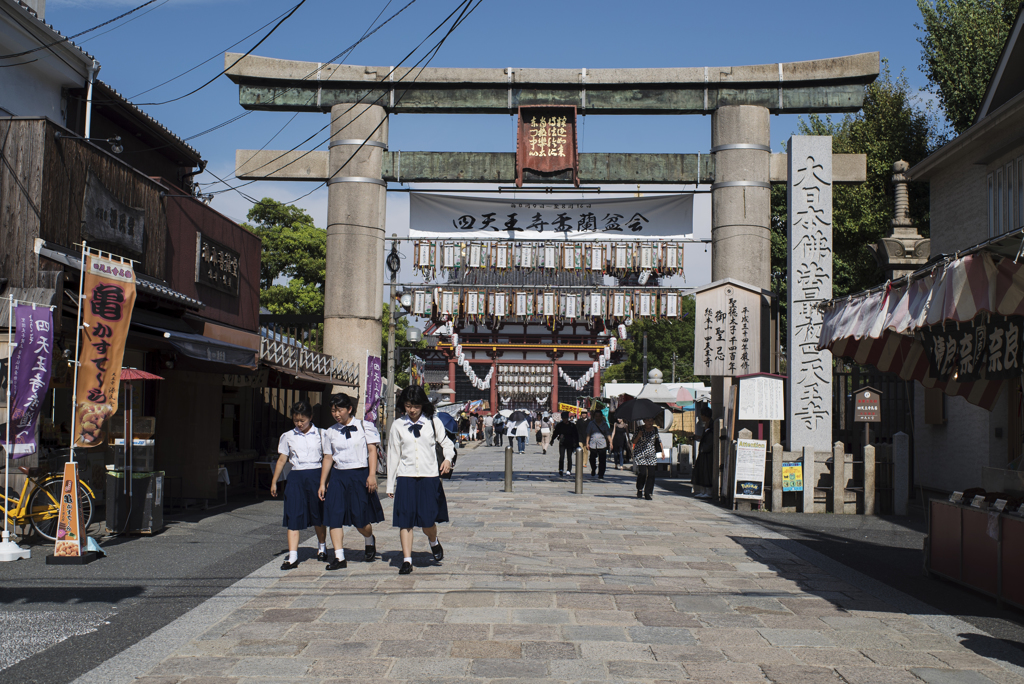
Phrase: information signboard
x=867 y=406
x=762 y=397
x=793 y=477
x=750 y=457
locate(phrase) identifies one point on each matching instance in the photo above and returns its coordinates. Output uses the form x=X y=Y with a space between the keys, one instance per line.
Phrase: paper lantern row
x=579 y=383
x=610 y=305
x=613 y=258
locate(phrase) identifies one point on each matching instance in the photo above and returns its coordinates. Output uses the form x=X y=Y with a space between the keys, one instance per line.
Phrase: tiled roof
x=120 y=99
x=57 y=34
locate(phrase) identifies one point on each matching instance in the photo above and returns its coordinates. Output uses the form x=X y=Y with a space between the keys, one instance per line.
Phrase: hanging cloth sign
x=546 y=144
x=109 y=291
x=31 y=363
x=474 y=218
x=374 y=387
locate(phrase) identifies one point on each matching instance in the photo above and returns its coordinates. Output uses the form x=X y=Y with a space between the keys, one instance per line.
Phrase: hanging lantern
x=455 y=339
x=458 y=349
x=613 y=344
x=622 y=332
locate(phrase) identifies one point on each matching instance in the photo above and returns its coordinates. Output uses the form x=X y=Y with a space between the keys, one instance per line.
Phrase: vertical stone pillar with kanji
x=809 y=199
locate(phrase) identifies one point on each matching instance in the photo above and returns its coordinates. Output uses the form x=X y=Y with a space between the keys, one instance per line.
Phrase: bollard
x=579 y=471
x=508 y=469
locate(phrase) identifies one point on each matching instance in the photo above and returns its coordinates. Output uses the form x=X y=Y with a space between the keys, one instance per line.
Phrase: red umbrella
x=136 y=374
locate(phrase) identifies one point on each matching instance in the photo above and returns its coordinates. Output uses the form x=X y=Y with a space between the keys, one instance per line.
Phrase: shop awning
x=877 y=327
x=146 y=284
x=200 y=347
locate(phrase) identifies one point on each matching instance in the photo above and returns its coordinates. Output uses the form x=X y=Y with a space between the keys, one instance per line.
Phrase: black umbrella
x=518 y=416
x=639 y=409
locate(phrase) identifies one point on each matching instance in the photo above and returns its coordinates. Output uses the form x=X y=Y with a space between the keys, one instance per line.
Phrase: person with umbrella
x=520 y=422
x=646 y=442
x=350 y=460
x=414 y=474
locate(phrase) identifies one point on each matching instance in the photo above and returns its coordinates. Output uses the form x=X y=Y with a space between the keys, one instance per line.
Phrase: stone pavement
x=543 y=585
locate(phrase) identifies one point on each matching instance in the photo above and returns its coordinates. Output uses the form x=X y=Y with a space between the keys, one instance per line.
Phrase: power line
x=206 y=61
x=193 y=92
x=125 y=23
x=461 y=4
x=466 y=11
x=81 y=33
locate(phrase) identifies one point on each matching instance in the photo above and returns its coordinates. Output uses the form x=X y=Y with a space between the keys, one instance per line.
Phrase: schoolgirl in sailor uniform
x=414 y=480
x=350 y=460
x=303 y=448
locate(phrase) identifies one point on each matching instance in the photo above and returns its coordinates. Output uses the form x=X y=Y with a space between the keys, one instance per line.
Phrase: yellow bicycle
x=39 y=503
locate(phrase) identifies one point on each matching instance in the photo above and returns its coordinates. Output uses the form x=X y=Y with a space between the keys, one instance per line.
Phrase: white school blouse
x=304 y=450
x=350 y=451
x=410 y=456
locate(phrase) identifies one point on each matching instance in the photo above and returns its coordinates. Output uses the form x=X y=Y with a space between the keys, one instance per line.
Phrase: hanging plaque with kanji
x=546 y=147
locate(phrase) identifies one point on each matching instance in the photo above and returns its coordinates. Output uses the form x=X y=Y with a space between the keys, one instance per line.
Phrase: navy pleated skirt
x=419 y=502
x=347 y=501
x=302 y=505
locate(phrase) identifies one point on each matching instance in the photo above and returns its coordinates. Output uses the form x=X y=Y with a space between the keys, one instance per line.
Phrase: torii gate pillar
x=740 y=207
x=356 y=202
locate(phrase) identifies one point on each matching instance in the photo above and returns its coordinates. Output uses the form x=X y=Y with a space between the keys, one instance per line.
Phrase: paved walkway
x=543 y=585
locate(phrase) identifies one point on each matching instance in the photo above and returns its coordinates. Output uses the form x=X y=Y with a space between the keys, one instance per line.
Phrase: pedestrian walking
x=646 y=447
x=703 y=476
x=473 y=420
x=414 y=475
x=597 y=443
x=545 y=433
x=582 y=424
x=568 y=441
x=499 y=430
x=350 y=460
x=488 y=430
x=522 y=433
x=620 y=438
x=301 y=446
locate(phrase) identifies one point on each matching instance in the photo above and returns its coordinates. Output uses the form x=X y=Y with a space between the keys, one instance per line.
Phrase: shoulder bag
x=439 y=450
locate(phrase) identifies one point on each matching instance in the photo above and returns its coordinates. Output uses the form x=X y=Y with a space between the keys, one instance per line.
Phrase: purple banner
x=31 y=364
x=374 y=385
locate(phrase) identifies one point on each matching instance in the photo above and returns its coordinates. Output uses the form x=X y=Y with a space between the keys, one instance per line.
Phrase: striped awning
x=877 y=327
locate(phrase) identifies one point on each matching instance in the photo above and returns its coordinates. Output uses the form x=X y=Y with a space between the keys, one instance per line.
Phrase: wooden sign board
x=727 y=334
x=867 y=406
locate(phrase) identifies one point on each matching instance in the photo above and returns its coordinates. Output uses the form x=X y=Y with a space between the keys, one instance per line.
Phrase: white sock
x=371 y=541
x=435 y=542
x=322 y=547
x=408 y=559
x=339 y=554
x=293 y=556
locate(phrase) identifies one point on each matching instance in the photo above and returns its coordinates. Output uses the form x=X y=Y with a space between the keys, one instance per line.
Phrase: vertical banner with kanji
x=374 y=385
x=31 y=364
x=69 y=520
x=109 y=295
x=546 y=144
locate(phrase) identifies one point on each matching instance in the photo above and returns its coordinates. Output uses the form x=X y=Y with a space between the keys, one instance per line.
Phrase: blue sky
x=179 y=34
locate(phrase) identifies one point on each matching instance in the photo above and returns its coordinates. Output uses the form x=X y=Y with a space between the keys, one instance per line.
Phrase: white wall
x=31 y=85
x=950 y=457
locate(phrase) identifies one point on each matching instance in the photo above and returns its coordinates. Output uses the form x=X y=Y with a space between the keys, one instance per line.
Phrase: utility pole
x=644 y=378
x=674 y=355
x=394 y=265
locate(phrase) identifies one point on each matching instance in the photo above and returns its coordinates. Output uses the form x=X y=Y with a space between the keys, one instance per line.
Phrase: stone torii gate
x=740 y=168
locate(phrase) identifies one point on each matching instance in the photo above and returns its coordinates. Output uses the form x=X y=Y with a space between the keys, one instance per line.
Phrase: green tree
x=890 y=127
x=293 y=263
x=962 y=42
x=664 y=337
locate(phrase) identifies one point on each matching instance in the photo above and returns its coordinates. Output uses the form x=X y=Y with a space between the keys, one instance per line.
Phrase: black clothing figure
x=703 y=475
x=568 y=440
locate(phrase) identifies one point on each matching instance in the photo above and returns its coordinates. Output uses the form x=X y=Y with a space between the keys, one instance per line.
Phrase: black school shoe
x=648 y=497
x=406 y=569
x=289 y=566
x=639 y=493
x=322 y=556
x=438 y=552
x=337 y=564
x=370 y=554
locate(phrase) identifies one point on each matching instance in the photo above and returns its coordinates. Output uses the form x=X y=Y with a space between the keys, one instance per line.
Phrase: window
x=1000 y=210
x=991 y=207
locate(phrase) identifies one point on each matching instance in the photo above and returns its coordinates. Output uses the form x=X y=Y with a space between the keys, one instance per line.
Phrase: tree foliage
x=890 y=127
x=402 y=359
x=294 y=251
x=961 y=45
x=664 y=337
